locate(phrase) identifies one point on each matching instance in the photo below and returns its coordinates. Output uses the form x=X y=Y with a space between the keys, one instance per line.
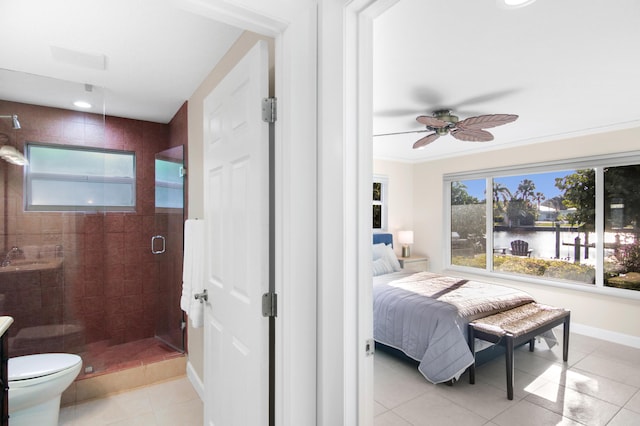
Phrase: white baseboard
x=197 y=384
x=611 y=336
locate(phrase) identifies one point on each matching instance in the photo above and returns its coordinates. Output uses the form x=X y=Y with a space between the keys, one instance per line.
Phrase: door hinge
x=269 y=110
x=270 y=305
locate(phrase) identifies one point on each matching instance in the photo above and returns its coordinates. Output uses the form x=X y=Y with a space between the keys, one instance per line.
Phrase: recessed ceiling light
x=513 y=4
x=82 y=104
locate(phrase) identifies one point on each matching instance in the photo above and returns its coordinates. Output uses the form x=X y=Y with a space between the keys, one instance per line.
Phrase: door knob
x=202 y=297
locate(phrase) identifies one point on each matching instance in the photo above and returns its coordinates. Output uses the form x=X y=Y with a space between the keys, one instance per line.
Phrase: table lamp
x=405 y=238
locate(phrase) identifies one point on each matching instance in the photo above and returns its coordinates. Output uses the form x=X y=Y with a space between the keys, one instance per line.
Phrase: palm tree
x=501 y=195
x=500 y=192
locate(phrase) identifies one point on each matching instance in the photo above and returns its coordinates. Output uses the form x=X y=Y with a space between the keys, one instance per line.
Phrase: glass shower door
x=167 y=246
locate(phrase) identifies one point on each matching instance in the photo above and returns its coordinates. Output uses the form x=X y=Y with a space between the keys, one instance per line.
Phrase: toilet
x=36 y=383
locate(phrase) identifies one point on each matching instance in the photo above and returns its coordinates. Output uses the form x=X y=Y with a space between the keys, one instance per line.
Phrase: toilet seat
x=40 y=365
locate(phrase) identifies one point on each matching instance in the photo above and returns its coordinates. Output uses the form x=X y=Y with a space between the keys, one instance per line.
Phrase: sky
x=544 y=182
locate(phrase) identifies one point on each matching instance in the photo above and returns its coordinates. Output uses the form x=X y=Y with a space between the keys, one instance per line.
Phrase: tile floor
x=599 y=385
x=171 y=403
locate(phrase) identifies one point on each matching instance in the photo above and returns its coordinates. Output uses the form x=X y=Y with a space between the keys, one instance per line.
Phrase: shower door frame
x=170 y=326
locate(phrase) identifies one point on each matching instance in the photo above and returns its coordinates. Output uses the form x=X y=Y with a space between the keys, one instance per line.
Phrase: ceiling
x=142 y=59
x=566 y=67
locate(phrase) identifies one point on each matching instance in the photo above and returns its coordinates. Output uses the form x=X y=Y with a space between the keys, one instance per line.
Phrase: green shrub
x=531 y=266
x=629 y=257
x=523 y=265
x=571 y=271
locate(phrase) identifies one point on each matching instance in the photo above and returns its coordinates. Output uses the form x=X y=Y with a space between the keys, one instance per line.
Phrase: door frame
x=358 y=118
x=292 y=25
x=322 y=238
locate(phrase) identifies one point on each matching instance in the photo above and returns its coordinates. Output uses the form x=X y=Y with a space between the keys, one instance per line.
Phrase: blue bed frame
x=383 y=238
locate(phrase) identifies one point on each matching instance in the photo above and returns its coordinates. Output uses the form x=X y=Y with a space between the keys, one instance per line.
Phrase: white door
x=236 y=188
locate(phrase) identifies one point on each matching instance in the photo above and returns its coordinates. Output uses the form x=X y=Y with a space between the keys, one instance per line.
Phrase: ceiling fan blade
x=483 y=98
x=402 y=133
x=431 y=121
x=471 y=135
x=426 y=96
x=486 y=121
x=421 y=143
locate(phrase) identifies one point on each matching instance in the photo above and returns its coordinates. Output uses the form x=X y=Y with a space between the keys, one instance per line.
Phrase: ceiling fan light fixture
x=514 y=4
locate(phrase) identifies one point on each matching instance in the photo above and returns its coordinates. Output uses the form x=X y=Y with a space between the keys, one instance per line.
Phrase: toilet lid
x=31 y=366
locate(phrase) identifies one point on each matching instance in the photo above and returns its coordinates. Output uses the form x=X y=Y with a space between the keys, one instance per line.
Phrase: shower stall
x=95 y=280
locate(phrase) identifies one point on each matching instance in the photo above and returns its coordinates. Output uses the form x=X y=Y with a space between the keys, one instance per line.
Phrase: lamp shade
x=405 y=237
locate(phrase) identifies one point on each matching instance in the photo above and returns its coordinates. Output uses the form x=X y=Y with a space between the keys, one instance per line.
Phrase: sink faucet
x=14 y=253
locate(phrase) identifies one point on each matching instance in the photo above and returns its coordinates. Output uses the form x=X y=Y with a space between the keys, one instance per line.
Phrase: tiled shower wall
x=110 y=279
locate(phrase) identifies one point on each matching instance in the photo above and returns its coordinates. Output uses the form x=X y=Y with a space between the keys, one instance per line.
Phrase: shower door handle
x=153 y=244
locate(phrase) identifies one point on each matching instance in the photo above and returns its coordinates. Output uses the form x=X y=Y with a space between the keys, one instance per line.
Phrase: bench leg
x=471 y=338
x=509 y=362
x=532 y=344
x=565 y=338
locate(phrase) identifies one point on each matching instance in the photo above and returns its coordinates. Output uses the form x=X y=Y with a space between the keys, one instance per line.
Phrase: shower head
x=14 y=119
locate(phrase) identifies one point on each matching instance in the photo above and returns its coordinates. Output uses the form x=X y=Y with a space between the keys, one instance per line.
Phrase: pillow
x=383 y=251
x=381 y=267
x=379 y=250
x=392 y=259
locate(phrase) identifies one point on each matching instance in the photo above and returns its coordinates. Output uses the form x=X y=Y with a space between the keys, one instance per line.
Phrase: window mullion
x=599 y=225
x=490 y=222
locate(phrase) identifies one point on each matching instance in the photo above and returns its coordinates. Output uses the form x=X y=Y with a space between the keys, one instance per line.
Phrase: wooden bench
x=514 y=327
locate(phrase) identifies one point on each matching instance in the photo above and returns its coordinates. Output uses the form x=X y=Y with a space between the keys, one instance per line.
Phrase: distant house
x=546 y=213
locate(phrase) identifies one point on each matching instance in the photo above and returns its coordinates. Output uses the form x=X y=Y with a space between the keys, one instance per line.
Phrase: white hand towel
x=193 y=271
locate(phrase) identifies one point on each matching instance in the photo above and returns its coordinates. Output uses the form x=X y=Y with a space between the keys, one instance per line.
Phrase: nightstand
x=414 y=263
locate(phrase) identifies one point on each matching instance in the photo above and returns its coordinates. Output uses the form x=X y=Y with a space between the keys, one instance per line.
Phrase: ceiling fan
x=443 y=122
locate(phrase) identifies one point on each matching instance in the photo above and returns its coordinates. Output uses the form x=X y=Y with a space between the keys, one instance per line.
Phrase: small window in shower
x=69 y=178
x=169 y=183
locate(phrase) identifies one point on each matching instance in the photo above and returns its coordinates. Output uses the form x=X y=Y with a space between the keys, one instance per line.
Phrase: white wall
x=609 y=314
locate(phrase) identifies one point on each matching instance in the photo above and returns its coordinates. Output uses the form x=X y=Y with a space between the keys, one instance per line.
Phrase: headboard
x=383 y=238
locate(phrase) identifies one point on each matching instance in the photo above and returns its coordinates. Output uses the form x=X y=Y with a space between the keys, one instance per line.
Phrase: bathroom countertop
x=30 y=265
x=5 y=322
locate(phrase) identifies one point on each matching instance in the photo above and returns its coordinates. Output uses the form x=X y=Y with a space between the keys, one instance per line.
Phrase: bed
x=425 y=315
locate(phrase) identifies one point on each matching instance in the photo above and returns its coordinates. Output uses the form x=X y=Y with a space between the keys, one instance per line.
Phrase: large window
x=64 y=178
x=577 y=222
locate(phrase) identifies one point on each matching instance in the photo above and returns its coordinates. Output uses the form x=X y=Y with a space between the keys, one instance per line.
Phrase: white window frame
x=29 y=176
x=597 y=163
